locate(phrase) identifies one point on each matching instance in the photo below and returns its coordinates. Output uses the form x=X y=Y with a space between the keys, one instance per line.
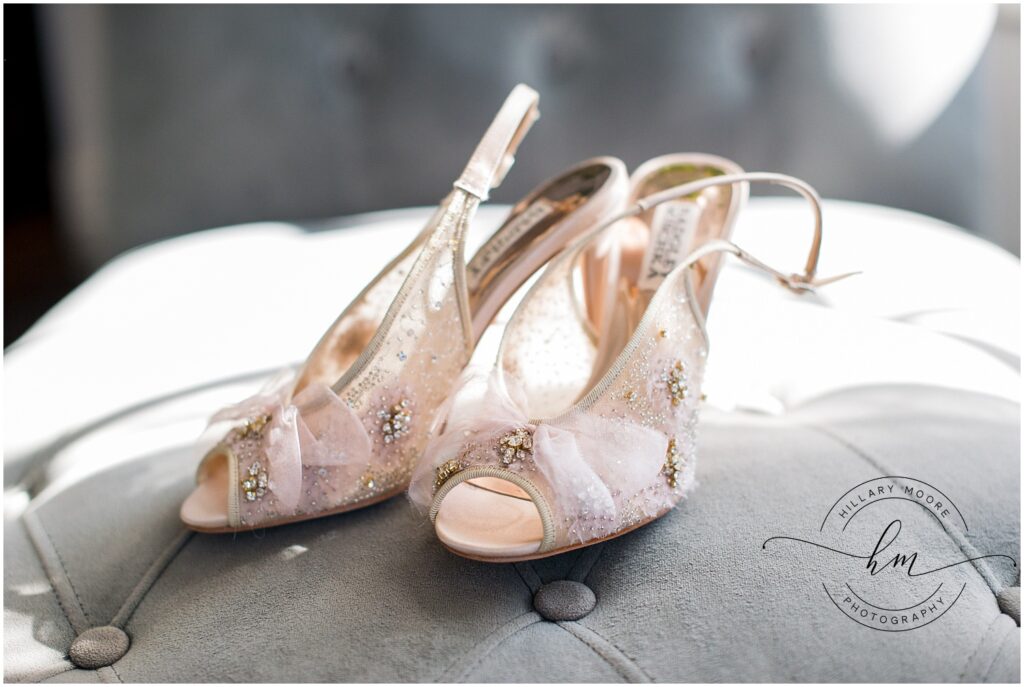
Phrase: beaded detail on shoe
x=516 y=445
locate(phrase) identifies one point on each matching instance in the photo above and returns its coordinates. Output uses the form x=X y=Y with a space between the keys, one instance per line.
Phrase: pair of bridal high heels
x=583 y=431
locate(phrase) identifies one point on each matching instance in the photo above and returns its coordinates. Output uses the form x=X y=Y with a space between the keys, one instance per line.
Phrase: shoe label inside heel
x=672 y=229
x=489 y=254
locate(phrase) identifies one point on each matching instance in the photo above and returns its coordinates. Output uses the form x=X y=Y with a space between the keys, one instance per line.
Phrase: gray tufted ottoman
x=889 y=376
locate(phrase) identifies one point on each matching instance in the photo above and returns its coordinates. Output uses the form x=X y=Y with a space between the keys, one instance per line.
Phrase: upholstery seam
x=103 y=676
x=981 y=643
x=149 y=578
x=116 y=674
x=995 y=657
x=615 y=646
x=979 y=566
x=594 y=649
x=38 y=523
x=540 y=580
x=483 y=655
x=618 y=669
x=529 y=587
x=598 y=557
x=590 y=568
x=60 y=602
x=64 y=569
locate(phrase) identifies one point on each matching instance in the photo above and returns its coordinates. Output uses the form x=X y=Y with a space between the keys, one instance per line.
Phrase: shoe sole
x=556 y=552
x=302 y=518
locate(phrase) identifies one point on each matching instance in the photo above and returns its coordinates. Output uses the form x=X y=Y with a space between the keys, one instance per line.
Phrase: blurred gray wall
x=171 y=119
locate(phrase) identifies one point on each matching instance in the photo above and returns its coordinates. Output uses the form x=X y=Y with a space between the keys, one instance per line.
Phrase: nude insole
x=207 y=506
x=485 y=519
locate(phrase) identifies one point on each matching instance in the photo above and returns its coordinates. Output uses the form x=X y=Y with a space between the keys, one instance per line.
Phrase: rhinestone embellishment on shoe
x=254 y=486
x=516 y=445
x=253 y=427
x=676 y=383
x=673 y=464
x=445 y=471
x=395 y=421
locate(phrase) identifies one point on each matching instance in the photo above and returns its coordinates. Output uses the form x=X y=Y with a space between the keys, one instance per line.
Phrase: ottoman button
x=1009 y=603
x=564 y=600
x=98 y=647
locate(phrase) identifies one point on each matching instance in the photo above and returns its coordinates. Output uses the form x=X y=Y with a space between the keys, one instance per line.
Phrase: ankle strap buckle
x=805 y=283
x=797 y=283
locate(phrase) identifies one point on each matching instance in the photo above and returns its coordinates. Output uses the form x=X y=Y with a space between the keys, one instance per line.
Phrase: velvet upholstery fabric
x=371 y=596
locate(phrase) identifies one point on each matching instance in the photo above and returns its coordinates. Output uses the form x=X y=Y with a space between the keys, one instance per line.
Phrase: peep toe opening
x=209 y=506
x=492 y=513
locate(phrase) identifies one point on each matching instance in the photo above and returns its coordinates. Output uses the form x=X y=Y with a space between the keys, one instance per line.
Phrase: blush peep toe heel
x=345 y=429
x=571 y=440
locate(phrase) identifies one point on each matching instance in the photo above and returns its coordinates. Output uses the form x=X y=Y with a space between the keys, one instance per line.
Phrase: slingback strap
x=495 y=154
x=799 y=283
x=798 y=185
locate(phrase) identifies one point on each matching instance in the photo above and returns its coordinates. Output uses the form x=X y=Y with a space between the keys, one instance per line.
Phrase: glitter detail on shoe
x=515 y=445
x=395 y=421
